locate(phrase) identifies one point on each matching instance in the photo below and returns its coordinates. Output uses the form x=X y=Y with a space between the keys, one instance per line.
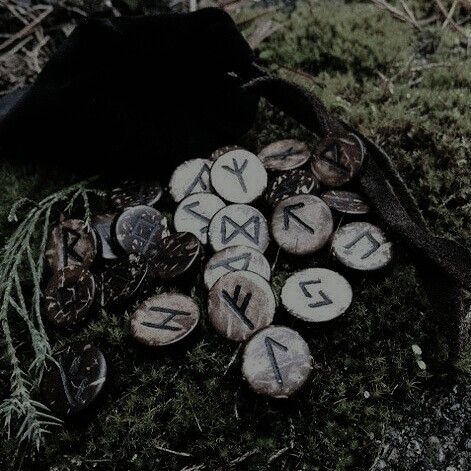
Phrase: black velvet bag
x=155 y=91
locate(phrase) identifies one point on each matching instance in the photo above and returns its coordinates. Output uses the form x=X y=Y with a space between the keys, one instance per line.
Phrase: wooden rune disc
x=338 y=159
x=223 y=150
x=164 y=319
x=71 y=243
x=192 y=176
x=362 y=246
x=284 y=155
x=140 y=229
x=302 y=224
x=316 y=295
x=276 y=362
x=240 y=303
x=238 y=176
x=175 y=255
x=236 y=258
x=345 y=202
x=102 y=224
x=69 y=296
x=292 y=183
x=195 y=212
x=136 y=193
x=73 y=379
x=238 y=224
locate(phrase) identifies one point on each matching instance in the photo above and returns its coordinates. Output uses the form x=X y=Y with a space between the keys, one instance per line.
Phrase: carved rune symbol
x=269 y=343
x=255 y=220
x=239 y=310
x=144 y=231
x=74 y=384
x=199 y=180
x=227 y=263
x=66 y=296
x=284 y=154
x=238 y=171
x=164 y=324
x=332 y=156
x=69 y=241
x=189 y=209
x=325 y=299
x=289 y=214
x=375 y=245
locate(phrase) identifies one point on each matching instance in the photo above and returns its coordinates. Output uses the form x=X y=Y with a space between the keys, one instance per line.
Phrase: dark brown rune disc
x=345 y=202
x=223 y=150
x=239 y=304
x=71 y=243
x=140 y=229
x=73 y=379
x=284 y=155
x=338 y=159
x=292 y=183
x=276 y=362
x=164 y=319
x=136 y=193
x=69 y=296
x=175 y=255
x=102 y=224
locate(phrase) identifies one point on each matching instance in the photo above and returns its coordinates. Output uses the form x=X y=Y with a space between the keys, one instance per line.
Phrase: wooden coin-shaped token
x=292 y=183
x=73 y=379
x=71 y=243
x=238 y=176
x=362 y=246
x=276 y=362
x=316 y=295
x=284 y=155
x=338 y=159
x=69 y=296
x=136 y=193
x=223 y=150
x=140 y=229
x=192 y=176
x=102 y=224
x=164 y=319
x=195 y=212
x=233 y=259
x=302 y=224
x=238 y=224
x=345 y=202
x=239 y=304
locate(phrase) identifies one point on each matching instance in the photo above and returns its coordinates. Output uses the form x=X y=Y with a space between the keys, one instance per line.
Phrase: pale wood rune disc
x=164 y=319
x=238 y=224
x=302 y=224
x=276 y=362
x=362 y=246
x=192 y=176
x=283 y=155
x=316 y=295
x=346 y=202
x=195 y=212
x=239 y=304
x=238 y=176
x=236 y=258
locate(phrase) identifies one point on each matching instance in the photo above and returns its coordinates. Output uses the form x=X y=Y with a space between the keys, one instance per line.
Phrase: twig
x=452 y=22
x=233 y=359
x=450 y=14
x=173 y=452
x=384 y=5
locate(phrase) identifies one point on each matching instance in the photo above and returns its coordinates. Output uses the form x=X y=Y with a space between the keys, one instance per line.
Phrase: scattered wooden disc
x=164 y=319
x=302 y=224
x=136 y=193
x=239 y=304
x=71 y=243
x=102 y=224
x=73 y=379
x=345 y=202
x=316 y=295
x=338 y=159
x=238 y=224
x=236 y=258
x=140 y=229
x=69 y=296
x=223 y=150
x=362 y=246
x=238 y=176
x=195 y=212
x=284 y=155
x=276 y=362
x=292 y=183
x=192 y=176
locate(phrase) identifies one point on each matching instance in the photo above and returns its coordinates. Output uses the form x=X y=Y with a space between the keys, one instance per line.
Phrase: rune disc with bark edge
x=284 y=155
x=338 y=159
x=192 y=176
x=164 y=319
x=223 y=150
x=276 y=362
x=346 y=202
x=136 y=193
x=69 y=296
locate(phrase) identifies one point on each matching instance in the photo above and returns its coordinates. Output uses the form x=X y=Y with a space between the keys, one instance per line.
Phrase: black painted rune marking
x=238 y=171
x=69 y=241
x=189 y=209
x=255 y=220
x=282 y=155
x=325 y=299
x=199 y=180
x=289 y=214
x=332 y=156
x=239 y=310
x=269 y=343
x=164 y=324
x=375 y=245
x=144 y=231
x=246 y=257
